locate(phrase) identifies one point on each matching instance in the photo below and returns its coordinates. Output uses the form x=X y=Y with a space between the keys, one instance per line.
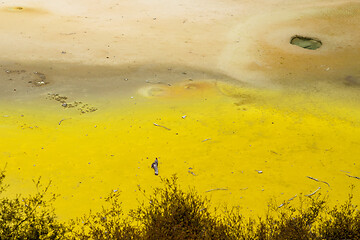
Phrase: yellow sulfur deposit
x=241 y=147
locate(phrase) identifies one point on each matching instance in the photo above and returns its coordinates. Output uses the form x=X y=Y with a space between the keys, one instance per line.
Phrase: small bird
x=154 y=165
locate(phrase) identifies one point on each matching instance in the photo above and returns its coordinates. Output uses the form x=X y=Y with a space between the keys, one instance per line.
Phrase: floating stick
x=162 y=126
x=318 y=180
x=63 y=120
x=216 y=189
x=287 y=201
x=353 y=176
x=309 y=195
x=292 y=198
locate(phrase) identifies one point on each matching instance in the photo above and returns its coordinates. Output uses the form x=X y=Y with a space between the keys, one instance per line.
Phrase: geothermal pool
x=92 y=93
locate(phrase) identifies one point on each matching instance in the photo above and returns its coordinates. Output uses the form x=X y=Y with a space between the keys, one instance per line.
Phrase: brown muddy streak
x=20 y=80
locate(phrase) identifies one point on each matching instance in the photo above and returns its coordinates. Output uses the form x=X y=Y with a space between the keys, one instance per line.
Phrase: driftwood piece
x=353 y=176
x=155 y=124
x=63 y=120
x=315 y=179
x=309 y=195
x=216 y=189
x=288 y=201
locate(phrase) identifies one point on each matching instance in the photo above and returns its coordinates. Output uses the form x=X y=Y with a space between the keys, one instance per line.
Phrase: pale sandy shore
x=247 y=41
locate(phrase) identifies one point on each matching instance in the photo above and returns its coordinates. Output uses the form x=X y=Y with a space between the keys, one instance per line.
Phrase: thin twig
x=353 y=176
x=206 y=140
x=72 y=33
x=281 y=204
x=216 y=189
x=287 y=201
x=318 y=180
x=162 y=126
x=309 y=195
x=292 y=198
x=63 y=120
x=38 y=201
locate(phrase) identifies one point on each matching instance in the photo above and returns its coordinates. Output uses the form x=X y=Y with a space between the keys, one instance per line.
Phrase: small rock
x=40 y=83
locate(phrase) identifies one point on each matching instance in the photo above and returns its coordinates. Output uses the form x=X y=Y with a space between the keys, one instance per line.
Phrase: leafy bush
x=29 y=217
x=175 y=214
x=109 y=223
x=290 y=222
x=343 y=222
x=172 y=213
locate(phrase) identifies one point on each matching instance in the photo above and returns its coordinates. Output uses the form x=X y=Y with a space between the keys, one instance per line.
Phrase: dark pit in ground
x=306 y=42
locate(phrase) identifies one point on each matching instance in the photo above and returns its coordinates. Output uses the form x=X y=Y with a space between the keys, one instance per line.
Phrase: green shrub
x=172 y=213
x=175 y=214
x=29 y=217
x=292 y=223
x=109 y=223
x=342 y=222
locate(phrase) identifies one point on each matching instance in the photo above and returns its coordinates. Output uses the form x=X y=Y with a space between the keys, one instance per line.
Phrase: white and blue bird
x=155 y=165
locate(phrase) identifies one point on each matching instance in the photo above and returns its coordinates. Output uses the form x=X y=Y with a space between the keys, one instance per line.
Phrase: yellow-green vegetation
x=29 y=217
x=173 y=213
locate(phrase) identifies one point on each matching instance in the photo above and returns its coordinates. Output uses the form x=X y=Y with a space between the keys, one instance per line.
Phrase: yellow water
x=217 y=136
